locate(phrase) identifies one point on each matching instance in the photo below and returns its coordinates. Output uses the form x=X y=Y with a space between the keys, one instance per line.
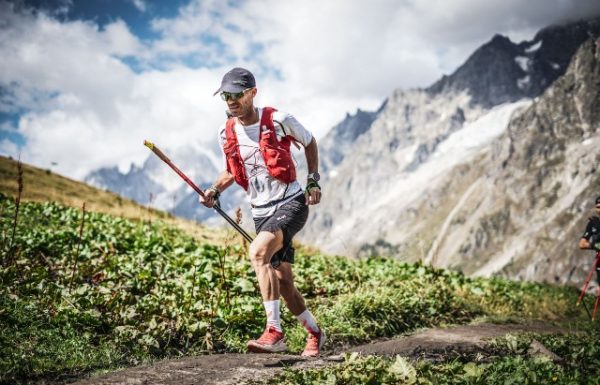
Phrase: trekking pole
x=587 y=310
x=596 y=304
x=585 y=286
x=217 y=206
x=598 y=292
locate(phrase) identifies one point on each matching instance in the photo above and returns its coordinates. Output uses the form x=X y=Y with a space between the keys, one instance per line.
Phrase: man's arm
x=313 y=191
x=591 y=242
x=224 y=180
x=312 y=156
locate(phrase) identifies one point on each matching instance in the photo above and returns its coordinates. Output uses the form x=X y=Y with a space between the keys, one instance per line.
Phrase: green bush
x=123 y=292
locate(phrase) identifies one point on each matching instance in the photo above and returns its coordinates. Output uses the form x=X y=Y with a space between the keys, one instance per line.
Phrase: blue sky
x=137 y=14
x=83 y=83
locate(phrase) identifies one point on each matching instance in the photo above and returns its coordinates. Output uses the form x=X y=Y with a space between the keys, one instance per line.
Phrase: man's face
x=243 y=105
x=598 y=208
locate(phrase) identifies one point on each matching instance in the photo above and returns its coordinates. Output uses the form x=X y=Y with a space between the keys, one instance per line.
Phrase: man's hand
x=211 y=195
x=595 y=242
x=312 y=193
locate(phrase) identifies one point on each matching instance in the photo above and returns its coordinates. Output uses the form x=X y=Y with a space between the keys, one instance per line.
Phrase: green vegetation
x=43 y=185
x=81 y=293
x=40 y=185
x=511 y=363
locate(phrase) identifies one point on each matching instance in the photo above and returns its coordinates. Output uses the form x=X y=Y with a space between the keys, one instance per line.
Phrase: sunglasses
x=233 y=95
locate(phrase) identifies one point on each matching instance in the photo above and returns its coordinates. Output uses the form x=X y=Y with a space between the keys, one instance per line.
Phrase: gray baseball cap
x=237 y=80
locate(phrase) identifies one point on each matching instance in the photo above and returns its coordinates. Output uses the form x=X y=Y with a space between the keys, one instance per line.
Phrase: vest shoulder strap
x=266 y=120
x=229 y=125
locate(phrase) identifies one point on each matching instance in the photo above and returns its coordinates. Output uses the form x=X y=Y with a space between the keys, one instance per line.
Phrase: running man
x=257 y=156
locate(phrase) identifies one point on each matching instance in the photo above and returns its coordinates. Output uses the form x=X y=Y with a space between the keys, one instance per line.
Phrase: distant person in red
x=591 y=236
x=256 y=146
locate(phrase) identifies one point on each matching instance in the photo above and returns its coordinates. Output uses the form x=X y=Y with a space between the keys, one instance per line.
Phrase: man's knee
x=264 y=246
x=259 y=254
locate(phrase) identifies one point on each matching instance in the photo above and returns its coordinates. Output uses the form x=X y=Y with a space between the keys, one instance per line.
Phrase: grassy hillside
x=45 y=186
x=79 y=294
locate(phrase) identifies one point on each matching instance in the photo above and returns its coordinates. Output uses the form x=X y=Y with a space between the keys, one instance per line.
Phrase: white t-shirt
x=262 y=187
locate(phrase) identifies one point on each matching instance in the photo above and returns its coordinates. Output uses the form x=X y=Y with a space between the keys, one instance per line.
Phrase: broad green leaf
x=472 y=370
x=403 y=370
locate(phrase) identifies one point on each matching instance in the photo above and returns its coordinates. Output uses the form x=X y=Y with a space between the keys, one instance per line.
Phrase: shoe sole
x=257 y=348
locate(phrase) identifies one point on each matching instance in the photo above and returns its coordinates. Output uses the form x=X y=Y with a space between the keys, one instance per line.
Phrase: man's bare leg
x=289 y=292
x=261 y=250
x=295 y=302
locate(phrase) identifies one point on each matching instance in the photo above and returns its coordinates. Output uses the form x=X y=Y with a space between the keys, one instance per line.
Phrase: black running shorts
x=289 y=218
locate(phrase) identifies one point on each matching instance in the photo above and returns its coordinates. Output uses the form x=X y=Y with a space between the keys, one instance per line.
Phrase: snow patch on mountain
x=524 y=82
x=459 y=147
x=477 y=134
x=534 y=47
x=524 y=62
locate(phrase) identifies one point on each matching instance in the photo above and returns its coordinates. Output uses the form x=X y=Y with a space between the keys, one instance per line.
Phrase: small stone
x=537 y=349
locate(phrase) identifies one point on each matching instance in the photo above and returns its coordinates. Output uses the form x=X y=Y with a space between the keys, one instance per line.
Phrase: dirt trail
x=226 y=369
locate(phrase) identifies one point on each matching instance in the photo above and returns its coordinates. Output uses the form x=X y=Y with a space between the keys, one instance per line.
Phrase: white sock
x=273 y=316
x=308 y=321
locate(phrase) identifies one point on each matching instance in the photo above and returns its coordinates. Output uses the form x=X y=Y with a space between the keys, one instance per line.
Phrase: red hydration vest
x=276 y=154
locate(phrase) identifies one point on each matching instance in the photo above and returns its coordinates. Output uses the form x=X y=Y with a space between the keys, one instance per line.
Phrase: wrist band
x=312 y=184
x=216 y=192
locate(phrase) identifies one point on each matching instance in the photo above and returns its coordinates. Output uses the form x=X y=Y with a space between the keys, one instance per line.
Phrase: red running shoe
x=271 y=341
x=314 y=343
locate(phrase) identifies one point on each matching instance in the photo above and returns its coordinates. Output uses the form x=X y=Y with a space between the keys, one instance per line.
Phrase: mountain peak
x=500 y=41
x=501 y=71
x=578 y=29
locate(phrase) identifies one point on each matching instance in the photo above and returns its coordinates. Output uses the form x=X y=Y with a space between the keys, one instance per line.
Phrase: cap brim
x=230 y=88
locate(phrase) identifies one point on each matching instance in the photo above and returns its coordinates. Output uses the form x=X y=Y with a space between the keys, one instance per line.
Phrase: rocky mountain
x=502 y=71
x=429 y=179
x=498 y=72
x=156 y=185
x=135 y=184
x=520 y=209
x=342 y=136
x=490 y=170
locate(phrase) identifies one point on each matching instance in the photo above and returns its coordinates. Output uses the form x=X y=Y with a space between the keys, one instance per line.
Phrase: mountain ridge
x=407 y=223
x=460 y=119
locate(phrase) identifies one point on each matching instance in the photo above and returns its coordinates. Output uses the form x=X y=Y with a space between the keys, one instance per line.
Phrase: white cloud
x=87 y=108
x=317 y=60
x=140 y=5
x=8 y=148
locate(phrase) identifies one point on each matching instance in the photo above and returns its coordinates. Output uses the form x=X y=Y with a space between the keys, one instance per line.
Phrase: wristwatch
x=314 y=176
